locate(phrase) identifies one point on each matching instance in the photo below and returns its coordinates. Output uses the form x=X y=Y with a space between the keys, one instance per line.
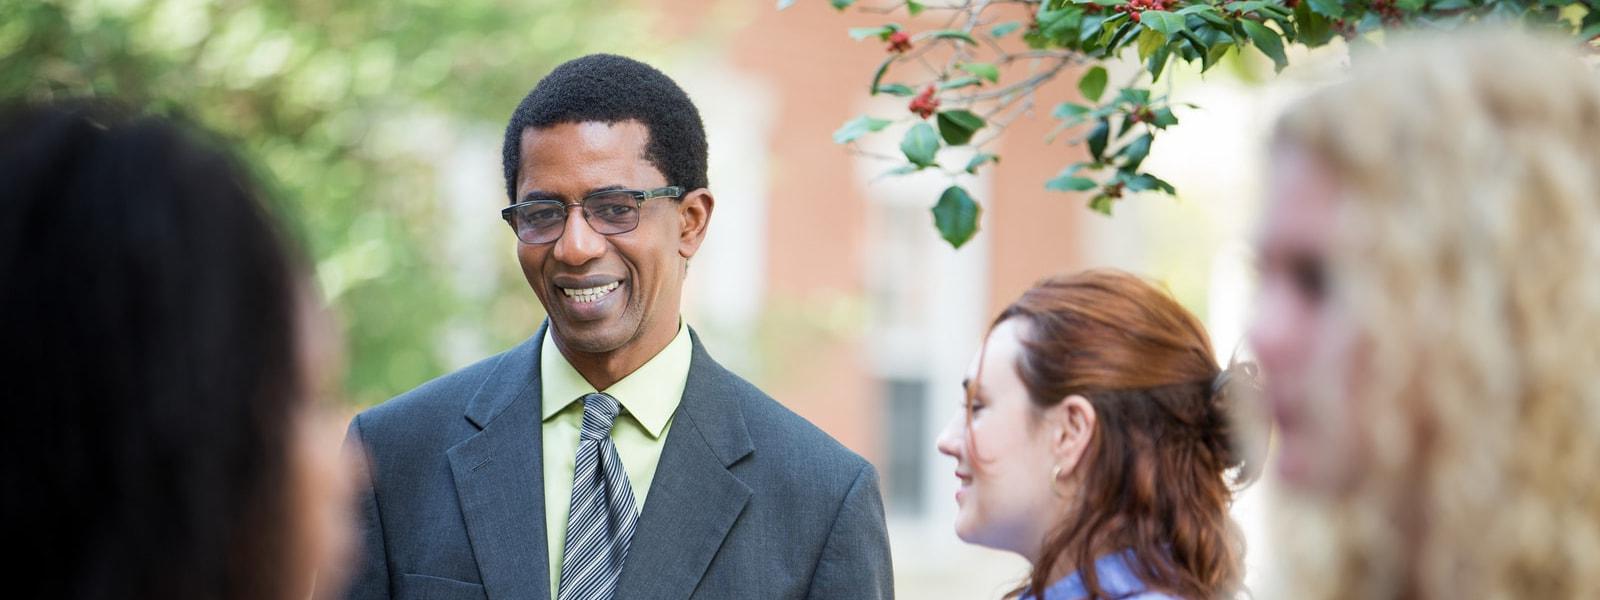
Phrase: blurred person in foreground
x=1098 y=442
x=1429 y=324
x=160 y=358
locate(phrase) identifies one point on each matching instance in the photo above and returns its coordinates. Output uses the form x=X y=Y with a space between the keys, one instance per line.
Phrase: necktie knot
x=599 y=412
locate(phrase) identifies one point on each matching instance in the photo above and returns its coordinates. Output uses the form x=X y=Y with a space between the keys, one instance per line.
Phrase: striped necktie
x=600 y=526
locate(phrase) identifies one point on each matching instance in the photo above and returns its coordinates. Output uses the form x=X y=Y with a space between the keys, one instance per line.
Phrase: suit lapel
x=499 y=478
x=694 y=500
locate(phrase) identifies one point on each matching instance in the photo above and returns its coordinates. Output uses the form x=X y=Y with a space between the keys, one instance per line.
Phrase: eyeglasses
x=608 y=212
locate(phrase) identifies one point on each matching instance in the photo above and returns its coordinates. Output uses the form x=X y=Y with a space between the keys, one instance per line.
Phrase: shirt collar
x=651 y=393
x=1114 y=572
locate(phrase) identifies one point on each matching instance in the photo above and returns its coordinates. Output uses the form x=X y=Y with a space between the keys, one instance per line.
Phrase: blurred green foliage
x=337 y=103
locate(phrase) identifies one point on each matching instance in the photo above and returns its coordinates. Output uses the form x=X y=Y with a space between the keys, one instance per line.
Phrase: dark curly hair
x=147 y=354
x=606 y=88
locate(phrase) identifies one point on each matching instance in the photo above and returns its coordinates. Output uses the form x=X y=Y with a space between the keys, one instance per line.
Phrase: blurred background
x=378 y=125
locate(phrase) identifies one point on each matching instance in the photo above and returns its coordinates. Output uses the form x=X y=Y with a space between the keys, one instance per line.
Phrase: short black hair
x=606 y=88
x=147 y=357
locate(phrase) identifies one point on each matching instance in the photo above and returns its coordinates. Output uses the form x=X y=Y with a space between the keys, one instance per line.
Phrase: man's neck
x=604 y=369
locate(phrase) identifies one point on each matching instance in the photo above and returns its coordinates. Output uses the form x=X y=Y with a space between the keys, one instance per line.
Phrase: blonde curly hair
x=1468 y=257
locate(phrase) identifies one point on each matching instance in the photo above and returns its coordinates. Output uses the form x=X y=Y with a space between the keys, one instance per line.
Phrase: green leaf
x=920 y=145
x=1268 y=41
x=1162 y=21
x=1134 y=153
x=1005 y=28
x=1164 y=119
x=957 y=126
x=897 y=89
x=1101 y=204
x=858 y=127
x=960 y=82
x=842 y=4
x=881 y=32
x=1070 y=183
x=1158 y=62
x=956 y=216
x=1410 y=6
x=1149 y=41
x=1070 y=112
x=898 y=171
x=1145 y=181
x=1093 y=83
x=984 y=70
x=1097 y=139
x=1214 y=55
x=878 y=76
x=952 y=34
x=1310 y=28
x=1332 y=9
x=979 y=160
x=1136 y=96
x=914 y=7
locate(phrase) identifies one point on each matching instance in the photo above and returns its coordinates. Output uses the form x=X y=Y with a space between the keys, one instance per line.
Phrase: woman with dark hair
x=159 y=356
x=1097 y=443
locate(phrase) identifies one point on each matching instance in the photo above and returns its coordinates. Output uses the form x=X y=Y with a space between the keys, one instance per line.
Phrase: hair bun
x=1239 y=432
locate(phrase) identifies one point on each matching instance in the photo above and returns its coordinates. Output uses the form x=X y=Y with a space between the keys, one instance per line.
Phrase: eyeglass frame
x=639 y=198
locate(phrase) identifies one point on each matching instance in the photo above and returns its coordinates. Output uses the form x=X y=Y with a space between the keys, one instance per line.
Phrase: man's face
x=603 y=292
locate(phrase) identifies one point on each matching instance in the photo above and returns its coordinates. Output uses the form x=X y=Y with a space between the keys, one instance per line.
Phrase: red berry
x=899 y=42
x=924 y=105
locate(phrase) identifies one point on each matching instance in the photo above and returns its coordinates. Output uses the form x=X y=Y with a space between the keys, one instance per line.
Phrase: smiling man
x=609 y=456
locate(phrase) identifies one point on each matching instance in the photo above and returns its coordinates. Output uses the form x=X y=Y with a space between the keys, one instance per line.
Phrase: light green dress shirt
x=648 y=396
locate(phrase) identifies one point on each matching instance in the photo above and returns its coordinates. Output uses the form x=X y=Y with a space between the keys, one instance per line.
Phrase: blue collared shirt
x=1116 y=580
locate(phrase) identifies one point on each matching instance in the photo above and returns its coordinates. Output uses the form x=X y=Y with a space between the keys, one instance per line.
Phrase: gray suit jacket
x=748 y=501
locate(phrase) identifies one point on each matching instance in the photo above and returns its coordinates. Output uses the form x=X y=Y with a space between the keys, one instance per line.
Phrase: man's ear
x=694 y=210
x=1070 y=427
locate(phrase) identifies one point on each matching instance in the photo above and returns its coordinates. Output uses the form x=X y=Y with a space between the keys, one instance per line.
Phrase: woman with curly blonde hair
x=1429 y=324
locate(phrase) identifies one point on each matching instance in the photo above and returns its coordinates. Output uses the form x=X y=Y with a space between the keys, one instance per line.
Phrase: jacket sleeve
x=369 y=570
x=855 y=560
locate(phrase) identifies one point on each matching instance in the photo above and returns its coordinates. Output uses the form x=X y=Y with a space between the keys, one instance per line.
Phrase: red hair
x=1156 y=476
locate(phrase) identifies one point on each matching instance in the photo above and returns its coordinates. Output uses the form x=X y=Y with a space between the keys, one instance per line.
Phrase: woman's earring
x=1055 y=480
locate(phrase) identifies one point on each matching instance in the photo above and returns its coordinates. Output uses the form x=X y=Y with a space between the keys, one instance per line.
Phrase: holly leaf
x=952 y=34
x=1164 y=118
x=1166 y=23
x=956 y=216
x=1072 y=113
x=983 y=70
x=1093 y=84
x=842 y=4
x=898 y=171
x=878 y=76
x=1097 y=139
x=914 y=7
x=1134 y=153
x=881 y=32
x=920 y=145
x=1332 y=9
x=1268 y=41
x=979 y=160
x=897 y=89
x=1005 y=28
x=1101 y=204
x=960 y=82
x=1145 y=181
x=1070 y=183
x=858 y=127
x=957 y=126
